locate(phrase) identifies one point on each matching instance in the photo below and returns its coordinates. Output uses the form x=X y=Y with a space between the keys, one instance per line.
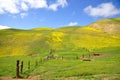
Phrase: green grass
x=68 y=67
x=68 y=42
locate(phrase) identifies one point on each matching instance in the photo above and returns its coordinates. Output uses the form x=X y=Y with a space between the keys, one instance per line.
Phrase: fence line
x=20 y=65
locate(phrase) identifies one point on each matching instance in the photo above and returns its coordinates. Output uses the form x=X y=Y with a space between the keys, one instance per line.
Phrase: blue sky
x=27 y=14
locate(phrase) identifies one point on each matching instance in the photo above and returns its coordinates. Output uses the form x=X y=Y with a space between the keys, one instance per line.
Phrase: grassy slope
x=19 y=42
x=68 y=42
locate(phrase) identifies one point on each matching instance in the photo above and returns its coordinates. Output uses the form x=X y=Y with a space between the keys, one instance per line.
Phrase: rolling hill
x=69 y=44
x=100 y=34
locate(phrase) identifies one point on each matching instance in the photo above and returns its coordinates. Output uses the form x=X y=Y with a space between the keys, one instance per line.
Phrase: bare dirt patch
x=34 y=55
x=37 y=77
x=5 y=78
x=108 y=76
x=98 y=54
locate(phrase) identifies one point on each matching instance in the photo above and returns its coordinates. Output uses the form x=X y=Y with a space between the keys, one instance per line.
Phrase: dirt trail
x=38 y=77
x=5 y=78
x=35 y=77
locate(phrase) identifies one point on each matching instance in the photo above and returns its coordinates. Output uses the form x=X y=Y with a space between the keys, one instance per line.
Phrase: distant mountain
x=100 y=34
x=111 y=26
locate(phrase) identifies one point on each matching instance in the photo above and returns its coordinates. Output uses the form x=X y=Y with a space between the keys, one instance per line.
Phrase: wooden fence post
x=21 y=67
x=36 y=63
x=62 y=57
x=41 y=60
x=89 y=55
x=83 y=56
x=28 y=65
x=17 y=69
x=77 y=57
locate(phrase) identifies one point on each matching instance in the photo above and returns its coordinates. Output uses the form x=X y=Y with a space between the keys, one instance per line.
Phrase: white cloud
x=18 y=6
x=4 y=27
x=63 y=3
x=72 y=23
x=8 y=6
x=59 y=3
x=23 y=15
x=36 y=3
x=53 y=7
x=103 y=10
x=1 y=11
x=24 y=6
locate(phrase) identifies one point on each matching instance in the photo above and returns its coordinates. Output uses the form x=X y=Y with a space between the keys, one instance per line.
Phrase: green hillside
x=68 y=43
x=23 y=42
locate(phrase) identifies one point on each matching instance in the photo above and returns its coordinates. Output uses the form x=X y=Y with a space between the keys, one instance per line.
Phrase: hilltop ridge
x=111 y=26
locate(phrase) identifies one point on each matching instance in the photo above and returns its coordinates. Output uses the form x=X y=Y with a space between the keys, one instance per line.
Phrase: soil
x=38 y=77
